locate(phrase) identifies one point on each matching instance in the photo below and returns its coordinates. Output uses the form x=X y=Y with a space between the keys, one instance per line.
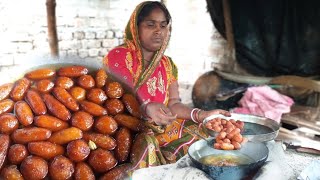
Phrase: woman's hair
x=146 y=10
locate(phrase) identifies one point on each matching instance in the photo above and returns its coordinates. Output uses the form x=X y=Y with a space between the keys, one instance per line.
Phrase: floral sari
x=150 y=83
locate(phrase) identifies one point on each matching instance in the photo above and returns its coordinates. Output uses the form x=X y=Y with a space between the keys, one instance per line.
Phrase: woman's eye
x=150 y=24
x=163 y=25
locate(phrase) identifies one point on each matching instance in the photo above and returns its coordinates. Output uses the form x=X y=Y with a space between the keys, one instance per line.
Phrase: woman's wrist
x=143 y=109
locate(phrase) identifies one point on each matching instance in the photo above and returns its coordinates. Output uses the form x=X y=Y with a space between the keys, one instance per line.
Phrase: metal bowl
x=13 y=73
x=256 y=128
x=256 y=151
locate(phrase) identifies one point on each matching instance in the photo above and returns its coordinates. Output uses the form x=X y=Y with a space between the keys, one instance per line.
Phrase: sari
x=150 y=84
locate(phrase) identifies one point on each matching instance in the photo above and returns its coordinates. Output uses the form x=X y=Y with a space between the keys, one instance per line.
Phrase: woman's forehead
x=156 y=14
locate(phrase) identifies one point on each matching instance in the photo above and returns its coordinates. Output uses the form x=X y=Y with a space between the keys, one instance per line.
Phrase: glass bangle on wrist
x=194 y=115
x=198 y=115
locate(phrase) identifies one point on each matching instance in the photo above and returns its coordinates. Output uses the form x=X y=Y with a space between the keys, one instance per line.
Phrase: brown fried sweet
x=11 y=172
x=132 y=105
x=124 y=141
x=23 y=113
x=50 y=122
x=45 y=149
x=65 y=98
x=229 y=136
x=6 y=106
x=114 y=90
x=83 y=172
x=4 y=141
x=78 y=93
x=130 y=122
x=19 y=89
x=117 y=173
x=30 y=134
x=65 y=136
x=97 y=96
x=64 y=82
x=56 y=107
x=101 y=140
x=86 y=81
x=61 y=168
x=106 y=125
x=43 y=73
x=8 y=123
x=17 y=153
x=93 y=108
x=82 y=120
x=5 y=90
x=44 y=85
x=136 y=152
x=78 y=150
x=35 y=102
x=101 y=160
x=73 y=71
x=101 y=78
x=34 y=167
x=114 y=106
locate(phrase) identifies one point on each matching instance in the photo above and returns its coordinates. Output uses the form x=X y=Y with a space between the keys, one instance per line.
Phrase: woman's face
x=152 y=31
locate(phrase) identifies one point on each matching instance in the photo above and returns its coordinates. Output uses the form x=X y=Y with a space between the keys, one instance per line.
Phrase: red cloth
x=264 y=101
x=123 y=64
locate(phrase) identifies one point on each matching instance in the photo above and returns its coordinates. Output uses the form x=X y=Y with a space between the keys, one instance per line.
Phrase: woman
x=140 y=63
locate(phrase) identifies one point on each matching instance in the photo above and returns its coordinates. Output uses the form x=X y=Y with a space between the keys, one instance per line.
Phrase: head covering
x=131 y=40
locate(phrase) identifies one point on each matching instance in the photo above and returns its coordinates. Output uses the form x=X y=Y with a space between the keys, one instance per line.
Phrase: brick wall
x=88 y=29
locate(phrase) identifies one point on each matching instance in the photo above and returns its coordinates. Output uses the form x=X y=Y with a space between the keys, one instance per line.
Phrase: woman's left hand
x=204 y=114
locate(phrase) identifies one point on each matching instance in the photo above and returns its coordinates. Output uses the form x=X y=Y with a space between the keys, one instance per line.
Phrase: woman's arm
x=176 y=107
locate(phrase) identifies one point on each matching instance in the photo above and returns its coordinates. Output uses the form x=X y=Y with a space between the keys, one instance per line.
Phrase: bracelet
x=194 y=118
x=198 y=115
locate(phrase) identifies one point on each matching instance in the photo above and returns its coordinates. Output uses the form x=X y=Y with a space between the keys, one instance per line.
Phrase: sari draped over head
x=125 y=62
x=150 y=84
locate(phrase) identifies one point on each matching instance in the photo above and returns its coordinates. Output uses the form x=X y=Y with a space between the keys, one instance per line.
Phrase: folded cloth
x=264 y=101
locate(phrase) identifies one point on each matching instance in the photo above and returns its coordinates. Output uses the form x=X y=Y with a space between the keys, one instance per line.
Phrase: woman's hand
x=204 y=114
x=159 y=114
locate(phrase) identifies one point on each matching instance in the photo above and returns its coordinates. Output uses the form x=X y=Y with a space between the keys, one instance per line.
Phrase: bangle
x=193 y=118
x=198 y=115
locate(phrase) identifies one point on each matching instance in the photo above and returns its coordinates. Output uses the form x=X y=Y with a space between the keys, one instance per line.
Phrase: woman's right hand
x=159 y=113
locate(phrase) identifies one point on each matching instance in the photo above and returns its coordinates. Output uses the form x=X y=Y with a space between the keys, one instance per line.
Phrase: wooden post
x=229 y=32
x=52 y=28
x=232 y=64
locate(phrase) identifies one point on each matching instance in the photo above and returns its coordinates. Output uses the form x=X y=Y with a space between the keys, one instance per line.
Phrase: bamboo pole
x=52 y=27
x=229 y=32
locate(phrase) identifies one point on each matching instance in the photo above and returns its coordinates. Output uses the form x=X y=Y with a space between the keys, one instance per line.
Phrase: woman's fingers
x=225 y=113
x=204 y=114
x=165 y=111
x=164 y=117
x=160 y=114
x=167 y=114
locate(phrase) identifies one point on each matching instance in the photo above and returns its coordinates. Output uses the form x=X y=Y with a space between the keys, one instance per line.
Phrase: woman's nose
x=158 y=29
